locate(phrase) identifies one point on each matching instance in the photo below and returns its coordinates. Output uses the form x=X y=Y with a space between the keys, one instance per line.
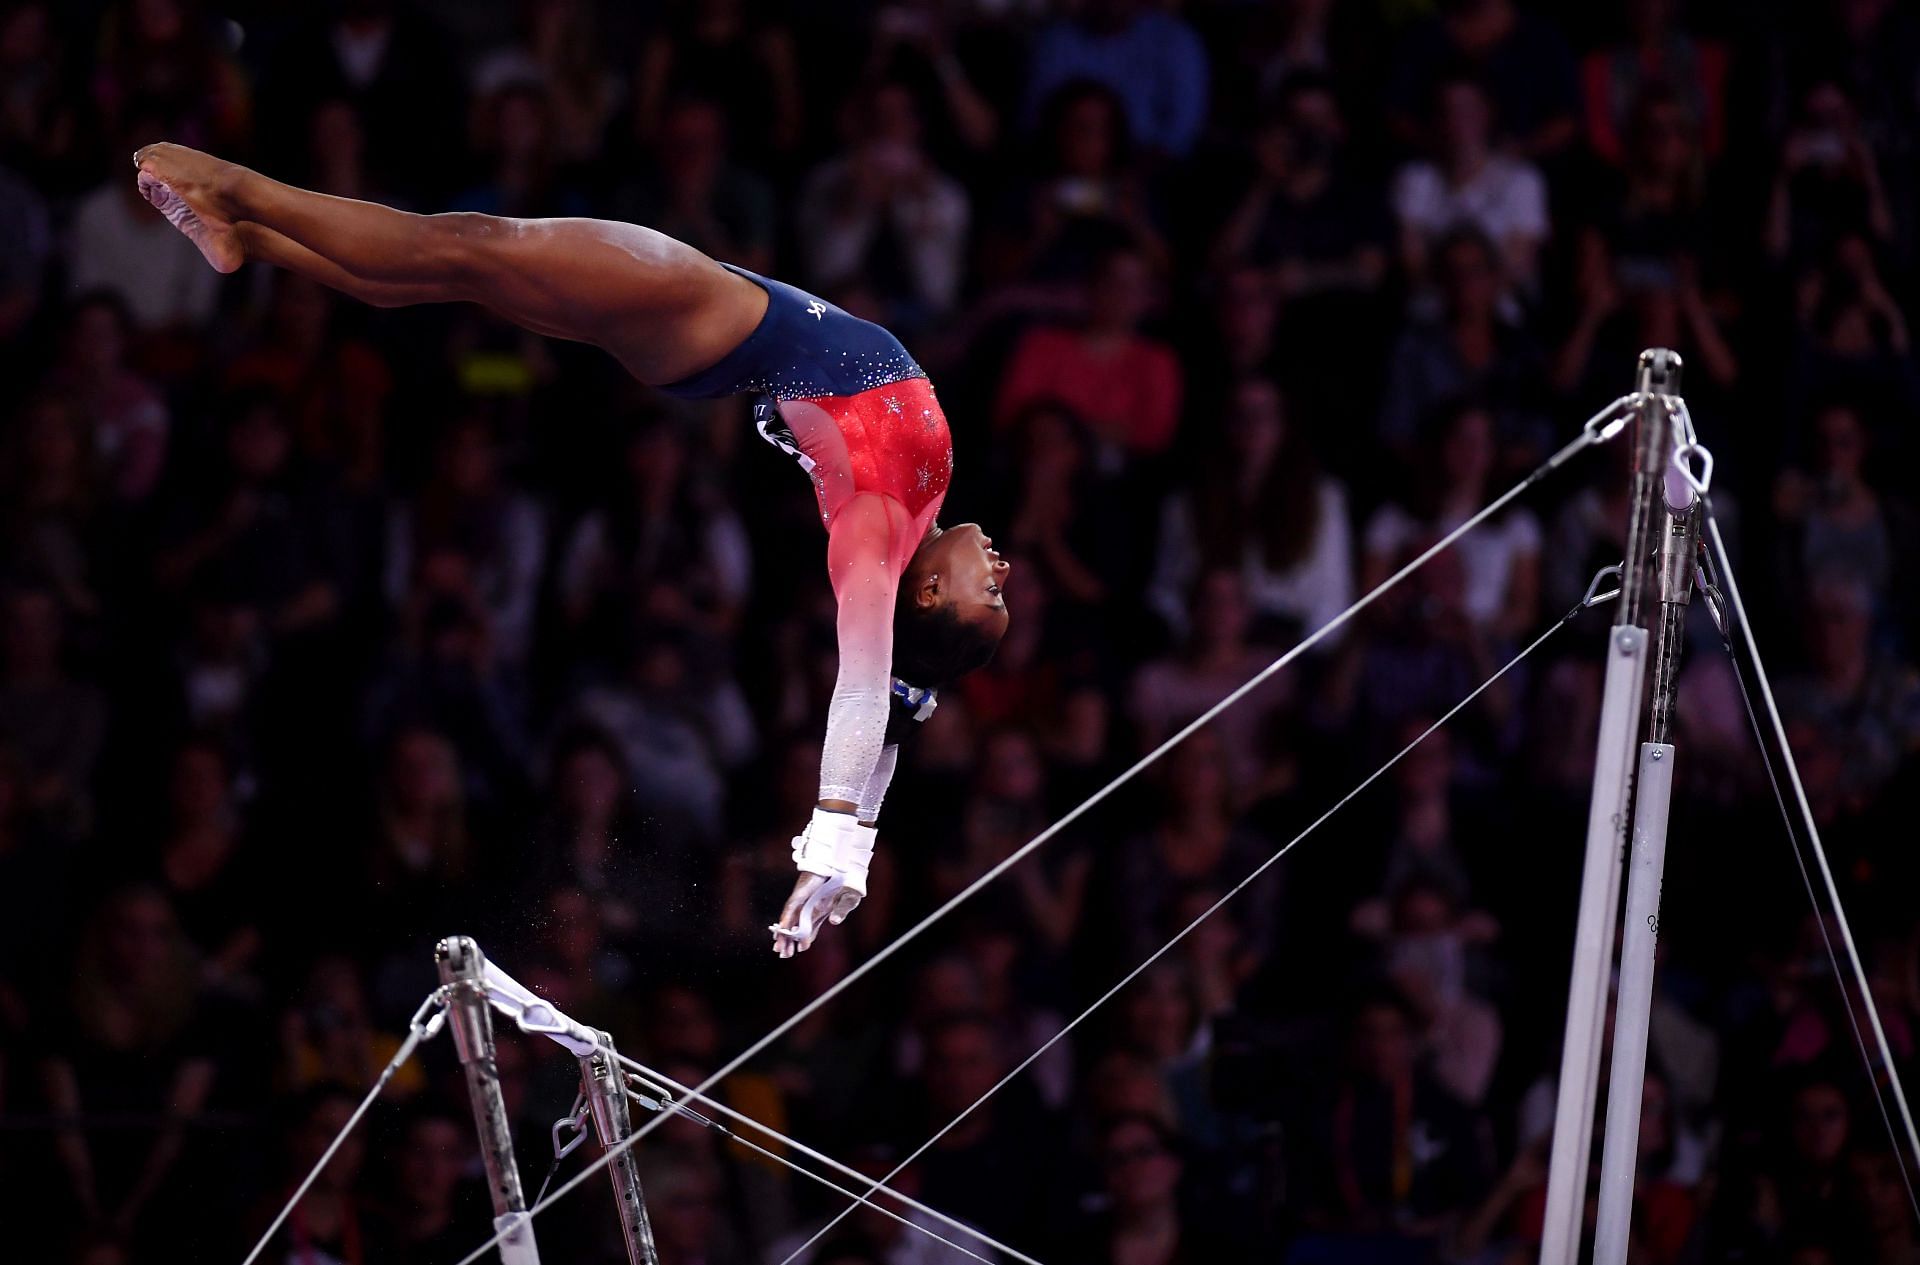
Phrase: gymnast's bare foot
x=184 y=185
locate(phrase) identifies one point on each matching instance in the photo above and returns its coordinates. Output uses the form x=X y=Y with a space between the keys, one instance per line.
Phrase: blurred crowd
x=328 y=631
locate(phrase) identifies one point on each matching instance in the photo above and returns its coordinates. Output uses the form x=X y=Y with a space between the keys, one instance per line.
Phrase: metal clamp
x=431 y=1017
x=1594 y=596
x=1613 y=419
x=575 y=1121
x=1683 y=458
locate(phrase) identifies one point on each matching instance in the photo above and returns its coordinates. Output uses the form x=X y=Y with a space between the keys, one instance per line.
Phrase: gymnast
x=918 y=605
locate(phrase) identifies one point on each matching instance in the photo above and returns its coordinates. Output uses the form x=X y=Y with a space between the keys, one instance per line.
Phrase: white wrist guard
x=835 y=845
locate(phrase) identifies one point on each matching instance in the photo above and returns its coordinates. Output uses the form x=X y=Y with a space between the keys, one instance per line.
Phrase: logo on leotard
x=818 y=309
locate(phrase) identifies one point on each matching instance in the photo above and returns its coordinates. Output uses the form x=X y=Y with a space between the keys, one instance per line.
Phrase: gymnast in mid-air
x=919 y=605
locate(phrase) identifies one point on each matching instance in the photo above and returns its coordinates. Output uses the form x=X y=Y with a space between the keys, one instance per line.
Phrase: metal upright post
x=1594 y=929
x=606 y=1093
x=1679 y=545
x=462 y=970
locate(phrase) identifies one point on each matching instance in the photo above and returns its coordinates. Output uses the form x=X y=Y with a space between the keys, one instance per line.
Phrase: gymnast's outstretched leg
x=662 y=308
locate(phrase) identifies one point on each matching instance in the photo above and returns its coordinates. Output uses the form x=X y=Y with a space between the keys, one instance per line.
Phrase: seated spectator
x=1469 y=183
x=1834 y=521
x=1008 y=807
x=55 y=723
x=207 y=866
x=1395 y=1158
x=1142 y=1218
x=1217 y=658
x=1306 y=218
x=1532 y=79
x=1086 y=196
x=397 y=68
x=41 y=130
x=1191 y=838
x=739 y=54
x=557 y=45
x=867 y=1236
x=1260 y=503
x=668 y=518
x=1868 y=699
x=1827 y=186
x=1150 y=58
x=332 y=1220
x=526 y=177
x=1883 y=1212
x=1499 y=560
x=1471 y=349
x=1068 y=522
x=132 y=1040
x=1425 y=957
x=1656 y=56
x=334 y=386
x=681 y=728
x=126 y=418
x=329 y=1036
x=589 y=833
x=696 y=192
x=992 y=1169
x=24 y=222
x=171 y=54
x=883 y=213
x=117 y=244
x=472 y=534
x=426 y=1209
x=1123 y=385
x=54 y=530
x=1852 y=336
x=422 y=853
x=265 y=534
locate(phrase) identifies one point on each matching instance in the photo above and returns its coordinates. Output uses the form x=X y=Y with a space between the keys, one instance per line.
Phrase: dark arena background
x=330 y=630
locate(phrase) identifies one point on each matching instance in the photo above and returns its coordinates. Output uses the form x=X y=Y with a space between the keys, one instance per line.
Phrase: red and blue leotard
x=846 y=400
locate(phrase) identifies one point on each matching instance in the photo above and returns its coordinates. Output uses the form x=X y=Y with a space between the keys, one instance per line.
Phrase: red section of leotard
x=890 y=439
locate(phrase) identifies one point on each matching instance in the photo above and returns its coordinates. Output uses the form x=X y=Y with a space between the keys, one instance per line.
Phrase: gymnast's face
x=960 y=568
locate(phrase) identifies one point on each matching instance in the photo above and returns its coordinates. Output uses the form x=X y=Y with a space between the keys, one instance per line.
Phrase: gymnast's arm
x=864 y=565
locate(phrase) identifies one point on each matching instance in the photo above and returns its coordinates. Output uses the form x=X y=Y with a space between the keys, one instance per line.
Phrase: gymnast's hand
x=832 y=854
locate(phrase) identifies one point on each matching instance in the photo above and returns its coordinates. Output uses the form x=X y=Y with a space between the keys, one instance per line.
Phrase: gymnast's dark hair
x=932 y=646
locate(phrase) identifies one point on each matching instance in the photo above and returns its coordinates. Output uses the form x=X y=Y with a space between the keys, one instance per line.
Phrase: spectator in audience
x=883 y=213
x=736 y=53
x=1150 y=58
x=24 y=221
x=1087 y=195
x=695 y=191
x=1260 y=503
x=329 y=1037
x=1303 y=216
x=116 y=244
x=428 y=1213
x=169 y=54
x=207 y=866
x=1835 y=522
x=527 y=179
x=1867 y=699
x=52 y=516
x=1404 y=1159
x=1657 y=57
x=42 y=135
x=1142 y=1164
x=131 y=1040
x=667 y=520
x=126 y=418
x=1531 y=76
x=1216 y=658
x=1468 y=182
x=470 y=537
x=1123 y=385
x=55 y=722
x=331 y=1222
x=1499 y=560
x=1827 y=185
x=1472 y=349
x=558 y=44
x=1852 y=334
